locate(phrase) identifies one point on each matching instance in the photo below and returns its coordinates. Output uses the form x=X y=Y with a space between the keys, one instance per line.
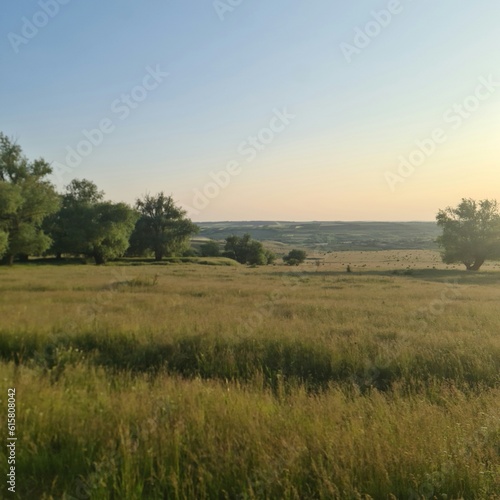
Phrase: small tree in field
x=471 y=233
x=295 y=257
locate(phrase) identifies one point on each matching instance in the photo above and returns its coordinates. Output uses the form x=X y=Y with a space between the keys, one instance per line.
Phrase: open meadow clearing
x=224 y=381
x=196 y=381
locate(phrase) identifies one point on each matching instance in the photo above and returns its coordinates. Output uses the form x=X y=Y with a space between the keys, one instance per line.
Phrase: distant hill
x=331 y=236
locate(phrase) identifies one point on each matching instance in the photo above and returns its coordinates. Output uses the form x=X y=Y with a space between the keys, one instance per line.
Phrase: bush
x=271 y=257
x=295 y=257
x=190 y=252
x=247 y=251
x=210 y=249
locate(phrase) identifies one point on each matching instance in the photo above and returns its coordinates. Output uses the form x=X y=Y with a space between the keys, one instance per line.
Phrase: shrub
x=295 y=257
x=210 y=249
x=247 y=251
x=190 y=252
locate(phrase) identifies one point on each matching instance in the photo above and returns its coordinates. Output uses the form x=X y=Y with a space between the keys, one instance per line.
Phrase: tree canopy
x=295 y=257
x=210 y=249
x=471 y=233
x=36 y=220
x=26 y=199
x=88 y=225
x=247 y=251
x=66 y=226
x=162 y=227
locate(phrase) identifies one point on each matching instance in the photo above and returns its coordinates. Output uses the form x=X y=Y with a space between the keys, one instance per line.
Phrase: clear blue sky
x=354 y=109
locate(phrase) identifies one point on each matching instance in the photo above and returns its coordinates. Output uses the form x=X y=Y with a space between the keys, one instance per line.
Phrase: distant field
x=329 y=236
x=189 y=381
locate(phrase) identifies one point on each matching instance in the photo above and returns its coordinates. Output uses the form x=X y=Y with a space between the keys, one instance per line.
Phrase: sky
x=259 y=110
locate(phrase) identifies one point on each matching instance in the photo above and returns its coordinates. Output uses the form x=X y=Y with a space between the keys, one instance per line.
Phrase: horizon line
x=271 y=221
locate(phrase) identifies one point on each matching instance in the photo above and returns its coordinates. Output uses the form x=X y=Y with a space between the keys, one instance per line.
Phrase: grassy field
x=189 y=381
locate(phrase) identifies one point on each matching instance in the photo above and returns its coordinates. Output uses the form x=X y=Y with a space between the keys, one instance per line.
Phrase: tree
x=109 y=230
x=471 y=233
x=236 y=248
x=256 y=254
x=271 y=256
x=87 y=225
x=295 y=257
x=210 y=249
x=10 y=201
x=162 y=228
x=26 y=199
x=66 y=227
x=247 y=251
x=3 y=242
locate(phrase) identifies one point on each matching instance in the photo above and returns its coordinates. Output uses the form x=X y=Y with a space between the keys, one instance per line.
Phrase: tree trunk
x=158 y=255
x=477 y=264
x=59 y=256
x=8 y=259
x=474 y=266
x=99 y=258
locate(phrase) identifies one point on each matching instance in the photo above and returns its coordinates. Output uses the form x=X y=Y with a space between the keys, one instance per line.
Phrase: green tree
x=66 y=227
x=26 y=199
x=87 y=225
x=210 y=249
x=10 y=201
x=109 y=230
x=271 y=256
x=3 y=242
x=236 y=248
x=162 y=228
x=295 y=257
x=247 y=251
x=471 y=233
x=256 y=254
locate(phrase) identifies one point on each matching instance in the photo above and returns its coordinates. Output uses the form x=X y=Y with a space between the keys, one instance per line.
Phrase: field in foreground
x=191 y=381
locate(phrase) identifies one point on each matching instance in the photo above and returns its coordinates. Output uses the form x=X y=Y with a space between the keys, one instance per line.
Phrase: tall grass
x=123 y=436
x=364 y=362
x=187 y=381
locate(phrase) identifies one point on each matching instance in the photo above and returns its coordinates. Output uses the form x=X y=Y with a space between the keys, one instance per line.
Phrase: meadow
x=191 y=381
